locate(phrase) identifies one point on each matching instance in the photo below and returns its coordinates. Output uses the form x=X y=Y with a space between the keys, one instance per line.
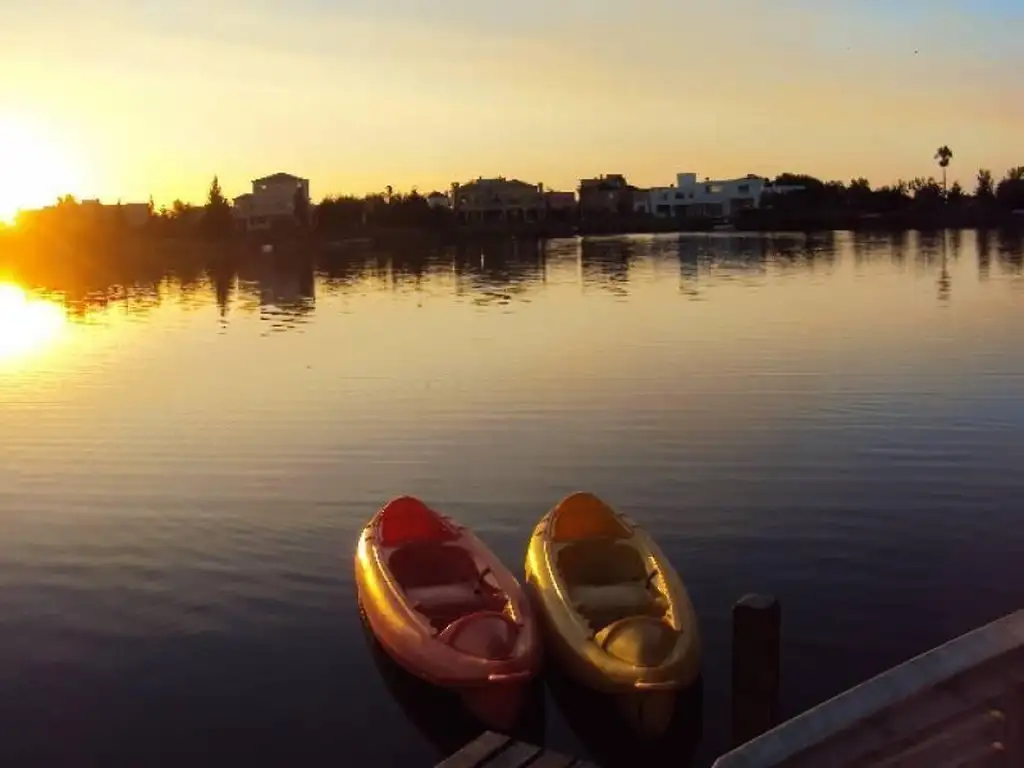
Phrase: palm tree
x=944 y=154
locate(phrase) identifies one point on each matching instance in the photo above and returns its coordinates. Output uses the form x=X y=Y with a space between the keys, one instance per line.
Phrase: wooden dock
x=494 y=750
x=961 y=704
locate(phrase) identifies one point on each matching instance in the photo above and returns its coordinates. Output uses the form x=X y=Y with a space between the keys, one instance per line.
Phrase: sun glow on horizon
x=27 y=325
x=34 y=169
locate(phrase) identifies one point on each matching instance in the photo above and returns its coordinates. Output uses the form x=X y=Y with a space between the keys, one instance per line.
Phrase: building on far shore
x=506 y=200
x=710 y=198
x=605 y=196
x=271 y=202
x=560 y=204
x=439 y=200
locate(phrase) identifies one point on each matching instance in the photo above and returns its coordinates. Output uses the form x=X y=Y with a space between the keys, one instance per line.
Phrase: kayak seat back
x=431 y=563
x=599 y=562
x=407 y=519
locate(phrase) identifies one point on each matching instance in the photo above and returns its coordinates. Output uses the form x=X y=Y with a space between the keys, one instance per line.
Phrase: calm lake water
x=185 y=463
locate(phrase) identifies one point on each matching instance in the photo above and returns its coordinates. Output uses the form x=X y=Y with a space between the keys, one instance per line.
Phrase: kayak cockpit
x=443 y=582
x=439 y=578
x=607 y=581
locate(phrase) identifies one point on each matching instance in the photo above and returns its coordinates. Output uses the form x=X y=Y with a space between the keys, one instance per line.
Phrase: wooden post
x=756 y=622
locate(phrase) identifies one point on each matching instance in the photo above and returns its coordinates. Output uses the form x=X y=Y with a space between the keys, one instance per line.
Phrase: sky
x=127 y=100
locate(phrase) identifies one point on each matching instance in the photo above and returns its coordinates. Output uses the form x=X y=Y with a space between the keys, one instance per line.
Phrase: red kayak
x=445 y=608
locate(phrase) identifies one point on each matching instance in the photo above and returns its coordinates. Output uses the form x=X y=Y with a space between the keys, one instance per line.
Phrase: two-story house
x=710 y=198
x=605 y=195
x=508 y=200
x=497 y=199
x=272 y=201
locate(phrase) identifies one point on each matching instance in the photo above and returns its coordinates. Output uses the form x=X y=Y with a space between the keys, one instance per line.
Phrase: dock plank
x=477 y=752
x=494 y=750
x=554 y=760
x=518 y=754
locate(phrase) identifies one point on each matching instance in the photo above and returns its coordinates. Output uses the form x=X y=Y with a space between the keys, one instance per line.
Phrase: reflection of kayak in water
x=617 y=615
x=446 y=609
x=612 y=740
x=439 y=714
x=436 y=713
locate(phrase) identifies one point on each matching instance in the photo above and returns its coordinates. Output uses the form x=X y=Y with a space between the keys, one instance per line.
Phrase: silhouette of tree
x=1010 y=192
x=926 y=191
x=336 y=215
x=956 y=194
x=943 y=154
x=985 y=188
x=859 y=194
x=217 y=218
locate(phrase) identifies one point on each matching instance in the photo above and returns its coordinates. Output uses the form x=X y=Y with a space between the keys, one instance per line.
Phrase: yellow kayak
x=617 y=616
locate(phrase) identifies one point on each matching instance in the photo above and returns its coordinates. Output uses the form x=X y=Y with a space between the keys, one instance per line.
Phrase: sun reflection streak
x=28 y=325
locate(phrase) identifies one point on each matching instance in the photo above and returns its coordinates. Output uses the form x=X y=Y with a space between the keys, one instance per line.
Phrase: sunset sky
x=116 y=99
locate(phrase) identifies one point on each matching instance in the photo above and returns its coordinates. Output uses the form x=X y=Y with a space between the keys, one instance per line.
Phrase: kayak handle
x=653 y=575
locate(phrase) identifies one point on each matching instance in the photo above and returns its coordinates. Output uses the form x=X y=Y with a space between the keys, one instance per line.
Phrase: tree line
x=816 y=203
x=923 y=200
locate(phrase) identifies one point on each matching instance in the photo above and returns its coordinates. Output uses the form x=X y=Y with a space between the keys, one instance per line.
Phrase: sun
x=34 y=170
x=27 y=324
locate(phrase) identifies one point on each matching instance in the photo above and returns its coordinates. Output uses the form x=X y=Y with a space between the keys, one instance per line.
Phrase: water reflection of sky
x=588 y=328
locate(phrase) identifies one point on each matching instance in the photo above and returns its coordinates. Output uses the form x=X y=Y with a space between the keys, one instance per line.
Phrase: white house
x=439 y=200
x=272 y=199
x=713 y=198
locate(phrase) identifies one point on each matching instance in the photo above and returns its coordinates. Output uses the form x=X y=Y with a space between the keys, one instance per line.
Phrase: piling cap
x=757 y=602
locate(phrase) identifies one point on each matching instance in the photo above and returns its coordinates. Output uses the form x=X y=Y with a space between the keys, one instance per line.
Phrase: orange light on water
x=28 y=325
